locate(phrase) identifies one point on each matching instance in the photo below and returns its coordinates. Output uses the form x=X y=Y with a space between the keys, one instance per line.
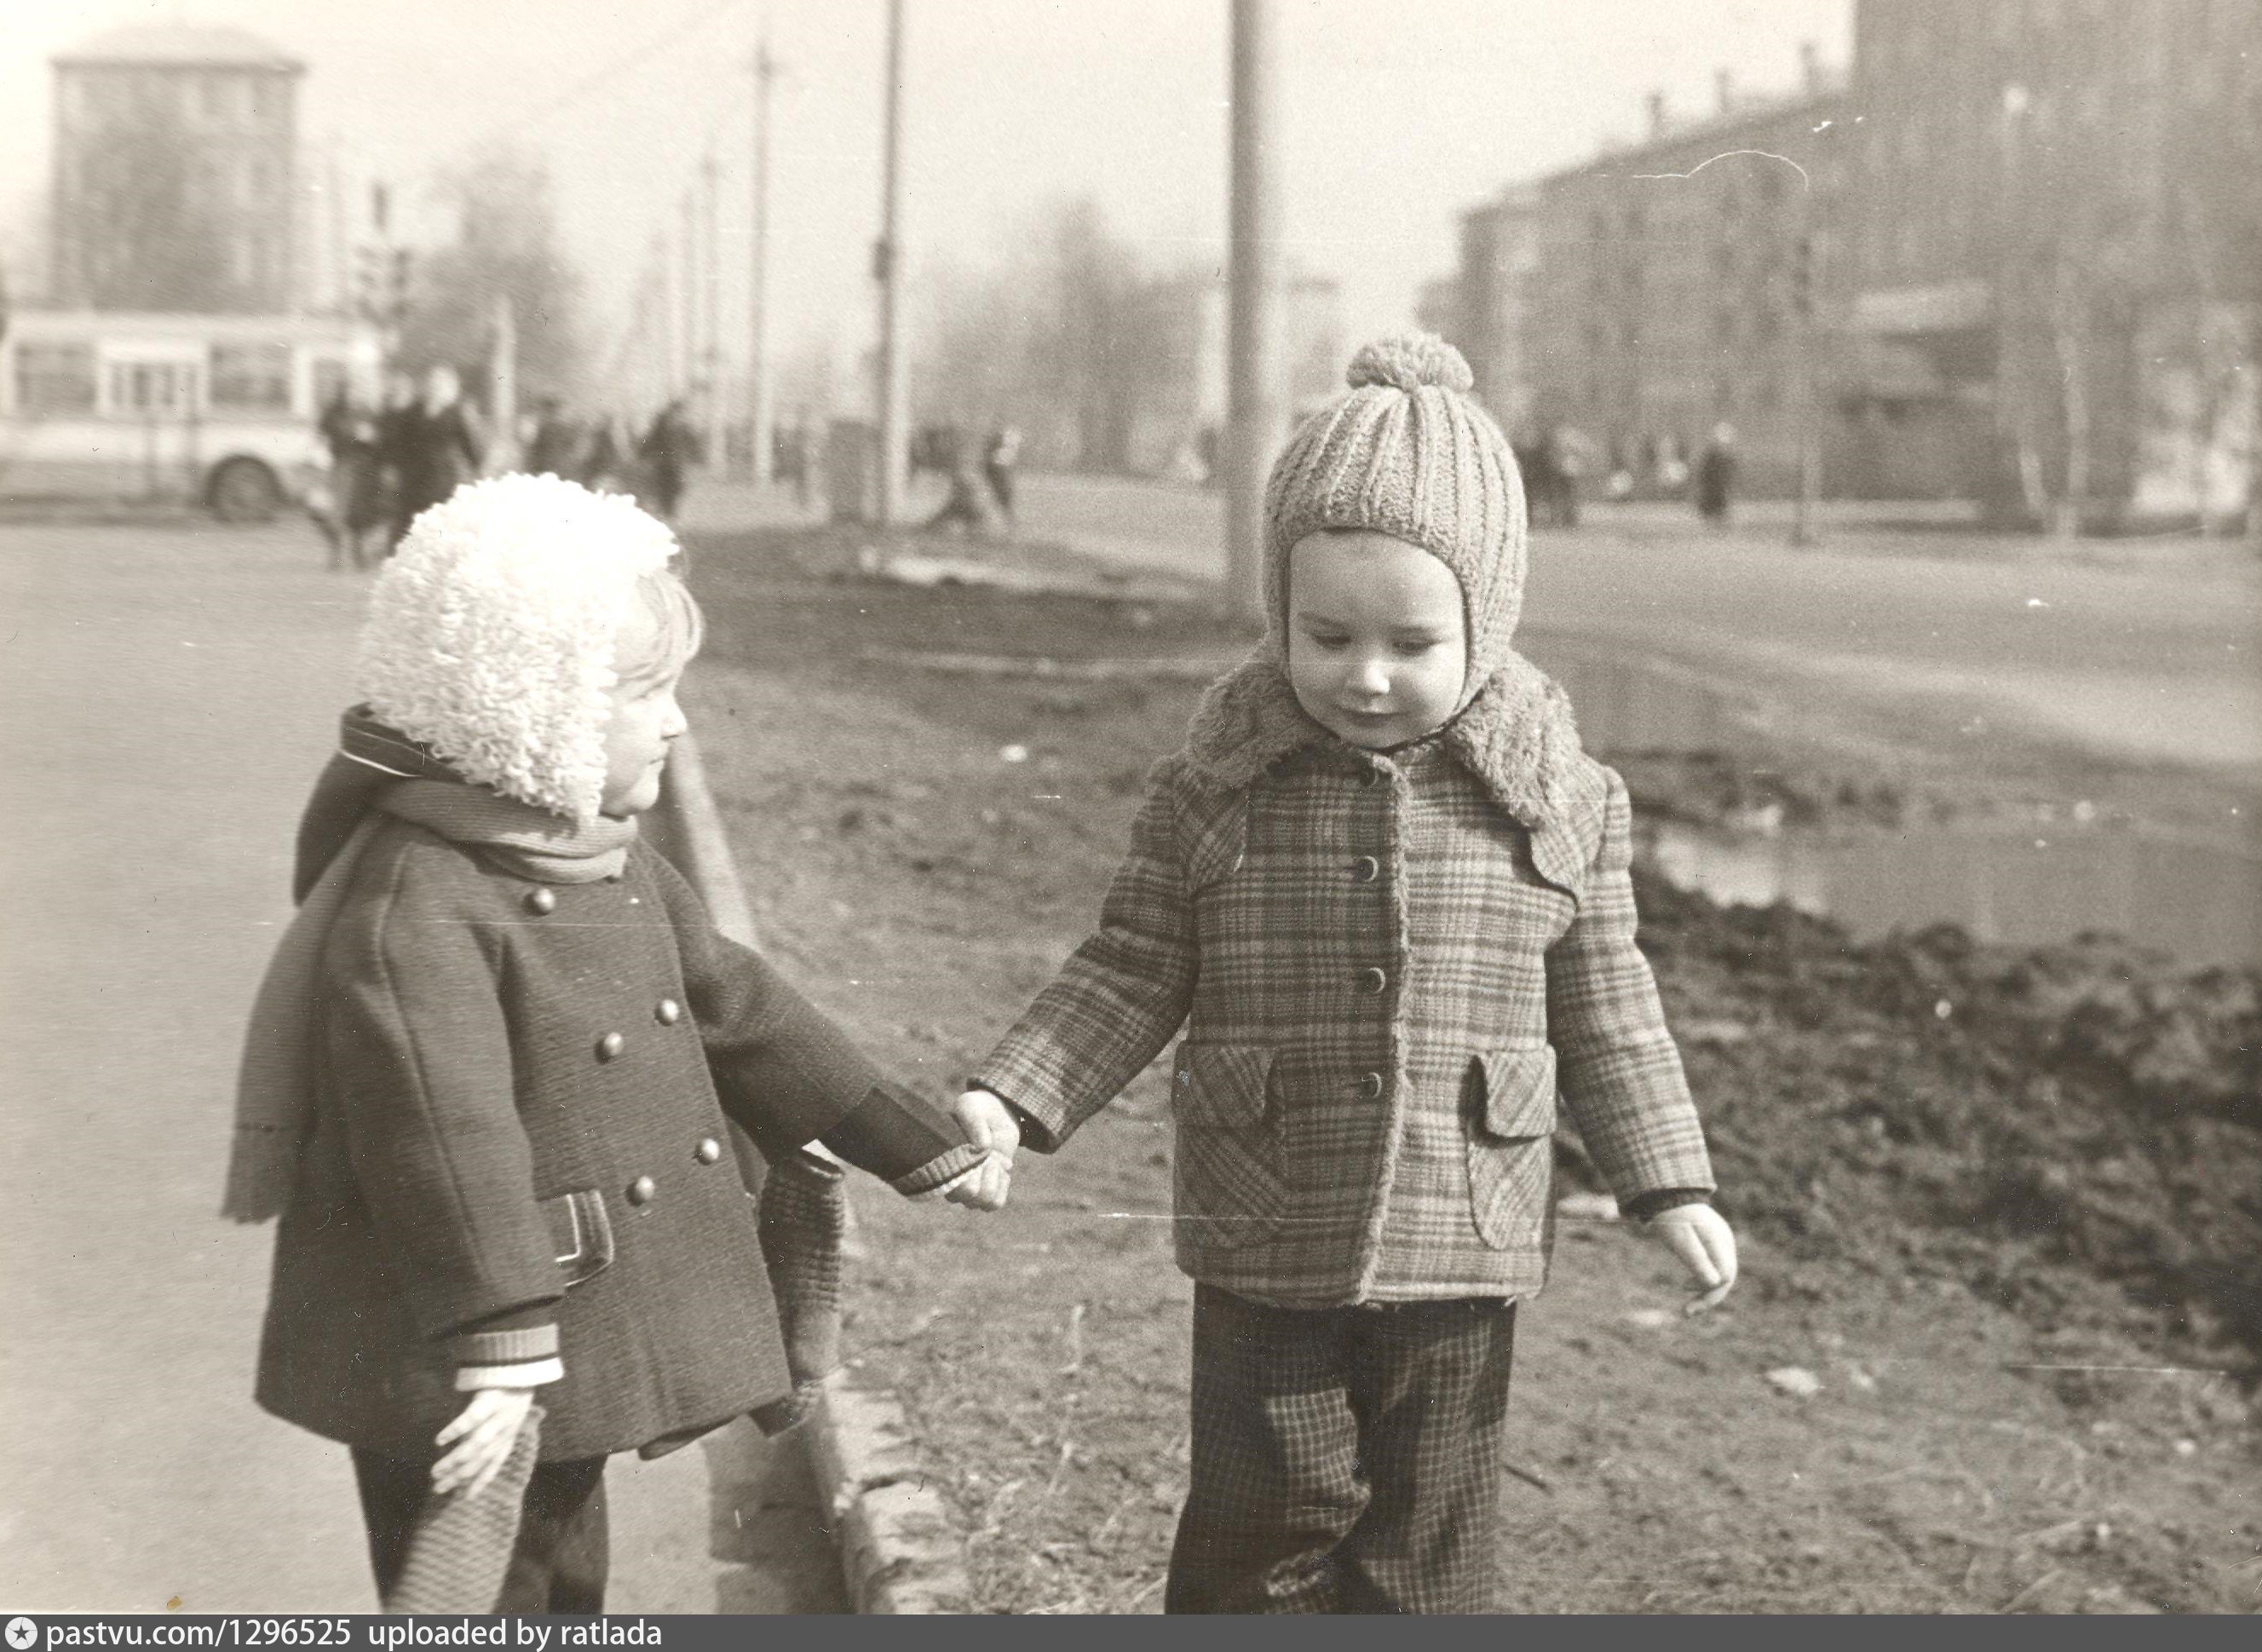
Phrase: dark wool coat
x=1389 y=969
x=522 y=1106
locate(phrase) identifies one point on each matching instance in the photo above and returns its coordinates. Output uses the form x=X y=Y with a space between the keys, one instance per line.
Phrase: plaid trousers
x=1344 y=1459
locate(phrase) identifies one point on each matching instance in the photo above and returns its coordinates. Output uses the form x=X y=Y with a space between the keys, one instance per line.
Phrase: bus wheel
x=245 y=490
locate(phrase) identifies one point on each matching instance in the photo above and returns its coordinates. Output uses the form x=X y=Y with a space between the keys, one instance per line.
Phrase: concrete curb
x=899 y=1552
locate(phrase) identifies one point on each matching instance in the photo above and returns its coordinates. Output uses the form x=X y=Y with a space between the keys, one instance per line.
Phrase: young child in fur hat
x=489 y=1074
x=1386 y=894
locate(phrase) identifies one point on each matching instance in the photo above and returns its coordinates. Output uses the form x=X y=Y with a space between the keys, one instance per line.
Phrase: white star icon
x=22 y=1632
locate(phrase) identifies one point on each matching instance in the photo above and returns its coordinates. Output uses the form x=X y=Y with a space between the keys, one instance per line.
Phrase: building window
x=53 y=379
x=251 y=378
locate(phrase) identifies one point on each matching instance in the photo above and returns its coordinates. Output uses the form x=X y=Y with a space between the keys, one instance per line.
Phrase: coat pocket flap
x=581 y=1234
x=1519 y=1091
x=1220 y=1085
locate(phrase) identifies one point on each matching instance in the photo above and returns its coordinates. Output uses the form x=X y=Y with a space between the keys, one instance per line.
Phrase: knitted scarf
x=282 y=1051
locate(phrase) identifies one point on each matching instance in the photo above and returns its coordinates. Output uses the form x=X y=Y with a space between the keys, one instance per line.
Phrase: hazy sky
x=1396 y=114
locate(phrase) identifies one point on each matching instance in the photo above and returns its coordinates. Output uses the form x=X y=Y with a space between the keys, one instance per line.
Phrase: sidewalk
x=170 y=695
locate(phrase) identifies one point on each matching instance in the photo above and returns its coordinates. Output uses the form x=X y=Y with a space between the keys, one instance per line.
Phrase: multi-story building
x=174 y=181
x=2017 y=260
x=2058 y=250
x=1668 y=286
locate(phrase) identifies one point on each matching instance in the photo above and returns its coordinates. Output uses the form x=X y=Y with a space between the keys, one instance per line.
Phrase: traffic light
x=381 y=282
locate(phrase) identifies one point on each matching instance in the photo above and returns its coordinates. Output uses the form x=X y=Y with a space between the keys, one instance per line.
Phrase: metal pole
x=687 y=372
x=1804 y=531
x=888 y=260
x=712 y=406
x=502 y=389
x=1253 y=402
x=759 y=416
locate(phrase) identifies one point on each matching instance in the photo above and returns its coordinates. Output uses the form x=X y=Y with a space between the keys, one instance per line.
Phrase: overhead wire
x=614 y=71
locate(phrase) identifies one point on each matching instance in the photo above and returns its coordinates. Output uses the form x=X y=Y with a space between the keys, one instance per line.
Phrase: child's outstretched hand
x=989 y=1125
x=1706 y=1244
x=482 y=1433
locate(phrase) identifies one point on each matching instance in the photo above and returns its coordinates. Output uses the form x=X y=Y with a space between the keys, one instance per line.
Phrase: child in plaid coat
x=1386 y=894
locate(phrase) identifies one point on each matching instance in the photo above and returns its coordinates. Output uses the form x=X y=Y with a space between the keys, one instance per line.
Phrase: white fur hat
x=490 y=630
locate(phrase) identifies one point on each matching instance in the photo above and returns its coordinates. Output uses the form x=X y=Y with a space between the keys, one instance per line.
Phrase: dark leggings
x=560 y=1560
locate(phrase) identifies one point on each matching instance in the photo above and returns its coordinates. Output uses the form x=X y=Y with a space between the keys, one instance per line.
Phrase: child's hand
x=1701 y=1238
x=989 y=1125
x=482 y=1433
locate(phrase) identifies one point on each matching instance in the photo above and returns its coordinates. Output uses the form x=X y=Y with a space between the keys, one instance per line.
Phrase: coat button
x=642 y=1190
x=540 y=902
x=1366 y=870
x=1372 y=980
x=668 y=1012
x=709 y=1149
x=1370 y=1085
x=610 y=1047
x=1370 y=776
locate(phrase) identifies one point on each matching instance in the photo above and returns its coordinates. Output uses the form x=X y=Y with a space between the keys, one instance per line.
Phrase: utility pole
x=1806 y=255
x=759 y=397
x=888 y=264
x=502 y=389
x=712 y=402
x=688 y=261
x=1252 y=419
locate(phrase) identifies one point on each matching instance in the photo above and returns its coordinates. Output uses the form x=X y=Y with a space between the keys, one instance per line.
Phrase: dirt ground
x=2001 y=1304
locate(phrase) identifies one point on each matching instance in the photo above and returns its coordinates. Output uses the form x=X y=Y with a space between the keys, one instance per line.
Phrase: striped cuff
x=532 y=1375
x=517 y=1345
x=940 y=1170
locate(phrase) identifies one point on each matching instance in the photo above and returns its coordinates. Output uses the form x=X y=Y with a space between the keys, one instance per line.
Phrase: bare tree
x=1075 y=340
x=506 y=244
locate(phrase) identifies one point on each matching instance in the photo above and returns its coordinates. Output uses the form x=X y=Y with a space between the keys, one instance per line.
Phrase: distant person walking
x=605 y=460
x=352 y=431
x=670 y=448
x=998 y=464
x=968 y=502
x=556 y=448
x=434 y=449
x=1716 y=475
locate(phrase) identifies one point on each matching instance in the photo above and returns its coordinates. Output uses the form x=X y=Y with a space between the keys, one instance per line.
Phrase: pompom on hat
x=491 y=632
x=1407 y=452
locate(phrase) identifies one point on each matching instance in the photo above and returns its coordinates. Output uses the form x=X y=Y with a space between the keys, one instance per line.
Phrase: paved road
x=2129 y=652
x=165 y=696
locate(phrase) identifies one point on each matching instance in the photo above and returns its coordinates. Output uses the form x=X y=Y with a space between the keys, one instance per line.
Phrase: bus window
x=152 y=387
x=53 y=379
x=251 y=378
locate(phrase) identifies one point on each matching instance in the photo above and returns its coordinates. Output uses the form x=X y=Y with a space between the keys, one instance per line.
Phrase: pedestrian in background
x=967 y=504
x=605 y=461
x=435 y=449
x=556 y=447
x=489 y=1074
x=670 y=448
x=1386 y=893
x=358 y=505
x=1716 y=475
x=1005 y=451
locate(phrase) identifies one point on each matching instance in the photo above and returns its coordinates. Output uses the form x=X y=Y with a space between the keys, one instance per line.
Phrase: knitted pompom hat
x=490 y=633
x=1407 y=452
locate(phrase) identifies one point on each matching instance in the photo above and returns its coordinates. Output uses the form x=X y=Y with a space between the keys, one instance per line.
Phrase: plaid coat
x=1389 y=967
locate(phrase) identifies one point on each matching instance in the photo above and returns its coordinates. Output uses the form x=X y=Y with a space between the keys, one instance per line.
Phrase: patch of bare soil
x=1999 y=1314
